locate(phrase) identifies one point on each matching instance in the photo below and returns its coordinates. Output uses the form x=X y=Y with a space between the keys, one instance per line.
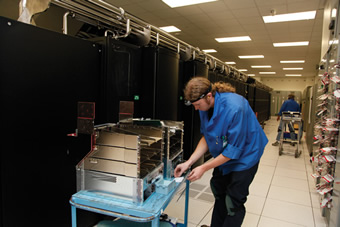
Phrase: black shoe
x=276 y=143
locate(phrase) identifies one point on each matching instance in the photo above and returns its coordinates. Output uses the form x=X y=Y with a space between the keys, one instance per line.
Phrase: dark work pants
x=235 y=185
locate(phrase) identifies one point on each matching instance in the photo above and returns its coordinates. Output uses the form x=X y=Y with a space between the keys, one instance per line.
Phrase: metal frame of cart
x=290 y=117
x=149 y=211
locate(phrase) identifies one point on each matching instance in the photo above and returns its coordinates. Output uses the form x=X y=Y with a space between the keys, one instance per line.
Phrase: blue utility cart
x=149 y=211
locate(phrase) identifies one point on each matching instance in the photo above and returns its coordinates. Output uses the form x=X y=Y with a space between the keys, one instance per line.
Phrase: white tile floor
x=281 y=195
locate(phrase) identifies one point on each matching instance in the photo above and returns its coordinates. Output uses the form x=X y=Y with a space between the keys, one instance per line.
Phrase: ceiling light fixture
x=292 y=68
x=293 y=75
x=209 y=51
x=251 y=56
x=233 y=39
x=261 y=66
x=243 y=70
x=333 y=15
x=290 y=44
x=293 y=61
x=251 y=74
x=308 y=15
x=230 y=62
x=333 y=41
x=170 y=29
x=177 y=3
x=267 y=72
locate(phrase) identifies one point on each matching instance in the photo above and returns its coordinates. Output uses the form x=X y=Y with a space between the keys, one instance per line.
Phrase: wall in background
x=288 y=84
x=9 y=9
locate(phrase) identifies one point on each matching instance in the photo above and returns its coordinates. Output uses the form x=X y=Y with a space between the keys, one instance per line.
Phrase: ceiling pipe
x=109 y=16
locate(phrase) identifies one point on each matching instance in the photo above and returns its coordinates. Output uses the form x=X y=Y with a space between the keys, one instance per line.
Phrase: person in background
x=288 y=105
x=234 y=137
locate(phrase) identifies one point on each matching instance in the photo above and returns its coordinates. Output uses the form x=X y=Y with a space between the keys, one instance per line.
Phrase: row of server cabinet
x=154 y=79
x=43 y=79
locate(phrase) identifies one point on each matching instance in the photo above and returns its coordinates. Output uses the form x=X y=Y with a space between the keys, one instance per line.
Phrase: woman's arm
x=198 y=172
x=201 y=148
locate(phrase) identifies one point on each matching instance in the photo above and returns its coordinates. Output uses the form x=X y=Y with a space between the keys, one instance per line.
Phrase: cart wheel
x=297 y=154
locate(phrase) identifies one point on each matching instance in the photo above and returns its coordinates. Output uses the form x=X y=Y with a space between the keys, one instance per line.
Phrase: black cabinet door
x=43 y=75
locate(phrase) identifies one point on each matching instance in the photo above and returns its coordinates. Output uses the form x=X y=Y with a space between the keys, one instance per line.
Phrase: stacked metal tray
x=127 y=159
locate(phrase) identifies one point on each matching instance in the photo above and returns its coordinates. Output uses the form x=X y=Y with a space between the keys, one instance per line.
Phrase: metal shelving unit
x=326 y=135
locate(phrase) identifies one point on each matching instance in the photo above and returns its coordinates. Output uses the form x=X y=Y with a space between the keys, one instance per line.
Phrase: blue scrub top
x=233 y=131
x=289 y=105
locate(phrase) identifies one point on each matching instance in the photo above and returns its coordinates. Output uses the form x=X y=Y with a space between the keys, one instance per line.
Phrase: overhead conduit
x=121 y=24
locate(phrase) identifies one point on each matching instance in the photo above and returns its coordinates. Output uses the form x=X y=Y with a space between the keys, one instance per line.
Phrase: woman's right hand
x=181 y=168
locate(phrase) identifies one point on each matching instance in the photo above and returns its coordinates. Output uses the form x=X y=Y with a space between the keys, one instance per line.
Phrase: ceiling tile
x=305 y=5
x=250 y=12
x=250 y=20
x=198 y=18
x=228 y=23
x=188 y=10
x=211 y=7
x=255 y=28
x=225 y=15
x=301 y=36
x=261 y=3
x=240 y=4
x=152 y=5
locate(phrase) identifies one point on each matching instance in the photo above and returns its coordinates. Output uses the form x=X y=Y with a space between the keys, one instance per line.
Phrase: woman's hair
x=197 y=86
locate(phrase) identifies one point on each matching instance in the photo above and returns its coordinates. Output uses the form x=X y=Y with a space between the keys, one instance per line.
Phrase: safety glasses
x=189 y=102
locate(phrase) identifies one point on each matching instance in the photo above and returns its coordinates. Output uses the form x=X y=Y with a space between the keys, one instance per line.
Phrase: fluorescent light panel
x=230 y=62
x=251 y=56
x=293 y=75
x=233 y=39
x=293 y=61
x=261 y=66
x=333 y=41
x=210 y=51
x=290 y=44
x=333 y=13
x=170 y=29
x=267 y=72
x=292 y=68
x=179 y=3
x=251 y=74
x=242 y=70
x=308 y=15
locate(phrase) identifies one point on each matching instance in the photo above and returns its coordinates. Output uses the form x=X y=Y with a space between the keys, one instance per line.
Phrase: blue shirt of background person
x=234 y=132
x=289 y=105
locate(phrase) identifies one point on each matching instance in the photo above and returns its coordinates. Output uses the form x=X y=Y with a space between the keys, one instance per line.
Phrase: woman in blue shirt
x=234 y=138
